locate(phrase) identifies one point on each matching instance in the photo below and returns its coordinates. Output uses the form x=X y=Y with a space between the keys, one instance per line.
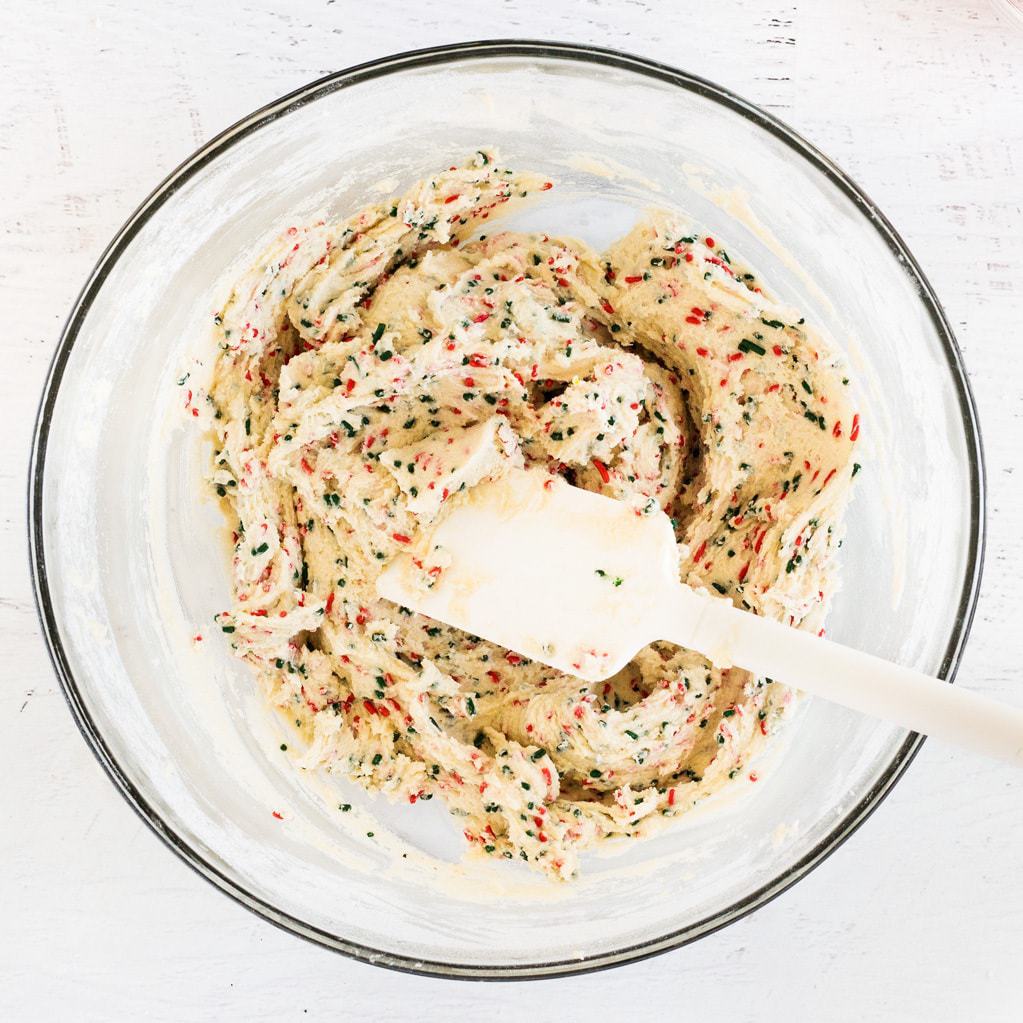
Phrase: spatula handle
x=861 y=681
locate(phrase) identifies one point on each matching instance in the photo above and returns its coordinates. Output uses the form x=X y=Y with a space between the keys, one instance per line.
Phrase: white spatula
x=581 y=582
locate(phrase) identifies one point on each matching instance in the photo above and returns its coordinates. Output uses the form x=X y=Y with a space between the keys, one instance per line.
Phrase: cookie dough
x=371 y=371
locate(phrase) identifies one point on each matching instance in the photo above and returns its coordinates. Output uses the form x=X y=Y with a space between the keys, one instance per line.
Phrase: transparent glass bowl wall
x=130 y=559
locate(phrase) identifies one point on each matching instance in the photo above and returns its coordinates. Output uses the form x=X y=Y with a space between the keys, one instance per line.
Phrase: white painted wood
x=920 y=915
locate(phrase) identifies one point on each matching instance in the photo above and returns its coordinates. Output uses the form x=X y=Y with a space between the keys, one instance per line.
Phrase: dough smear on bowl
x=372 y=370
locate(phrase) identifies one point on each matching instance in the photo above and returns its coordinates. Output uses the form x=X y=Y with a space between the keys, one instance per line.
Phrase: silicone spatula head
x=552 y=572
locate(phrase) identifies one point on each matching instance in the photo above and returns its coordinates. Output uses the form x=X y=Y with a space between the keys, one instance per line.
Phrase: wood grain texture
x=920 y=915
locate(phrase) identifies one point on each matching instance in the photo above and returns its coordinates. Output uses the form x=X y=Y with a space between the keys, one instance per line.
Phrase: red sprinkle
x=602 y=469
x=633 y=280
x=277 y=815
x=452 y=198
x=709 y=242
x=401 y=538
x=855 y=431
x=607 y=307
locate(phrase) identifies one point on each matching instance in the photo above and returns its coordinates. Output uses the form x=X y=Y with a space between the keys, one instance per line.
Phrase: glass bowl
x=130 y=563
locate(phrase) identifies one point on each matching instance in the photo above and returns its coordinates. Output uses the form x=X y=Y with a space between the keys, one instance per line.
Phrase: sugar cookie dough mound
x=373 y=370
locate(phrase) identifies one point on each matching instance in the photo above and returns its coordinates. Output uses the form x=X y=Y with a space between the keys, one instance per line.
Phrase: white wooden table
x=920 y=915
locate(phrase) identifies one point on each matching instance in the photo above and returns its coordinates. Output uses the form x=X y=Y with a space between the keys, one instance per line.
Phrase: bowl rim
x=598 y=58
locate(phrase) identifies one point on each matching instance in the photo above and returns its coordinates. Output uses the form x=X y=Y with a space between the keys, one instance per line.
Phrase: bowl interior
x=134 y=561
